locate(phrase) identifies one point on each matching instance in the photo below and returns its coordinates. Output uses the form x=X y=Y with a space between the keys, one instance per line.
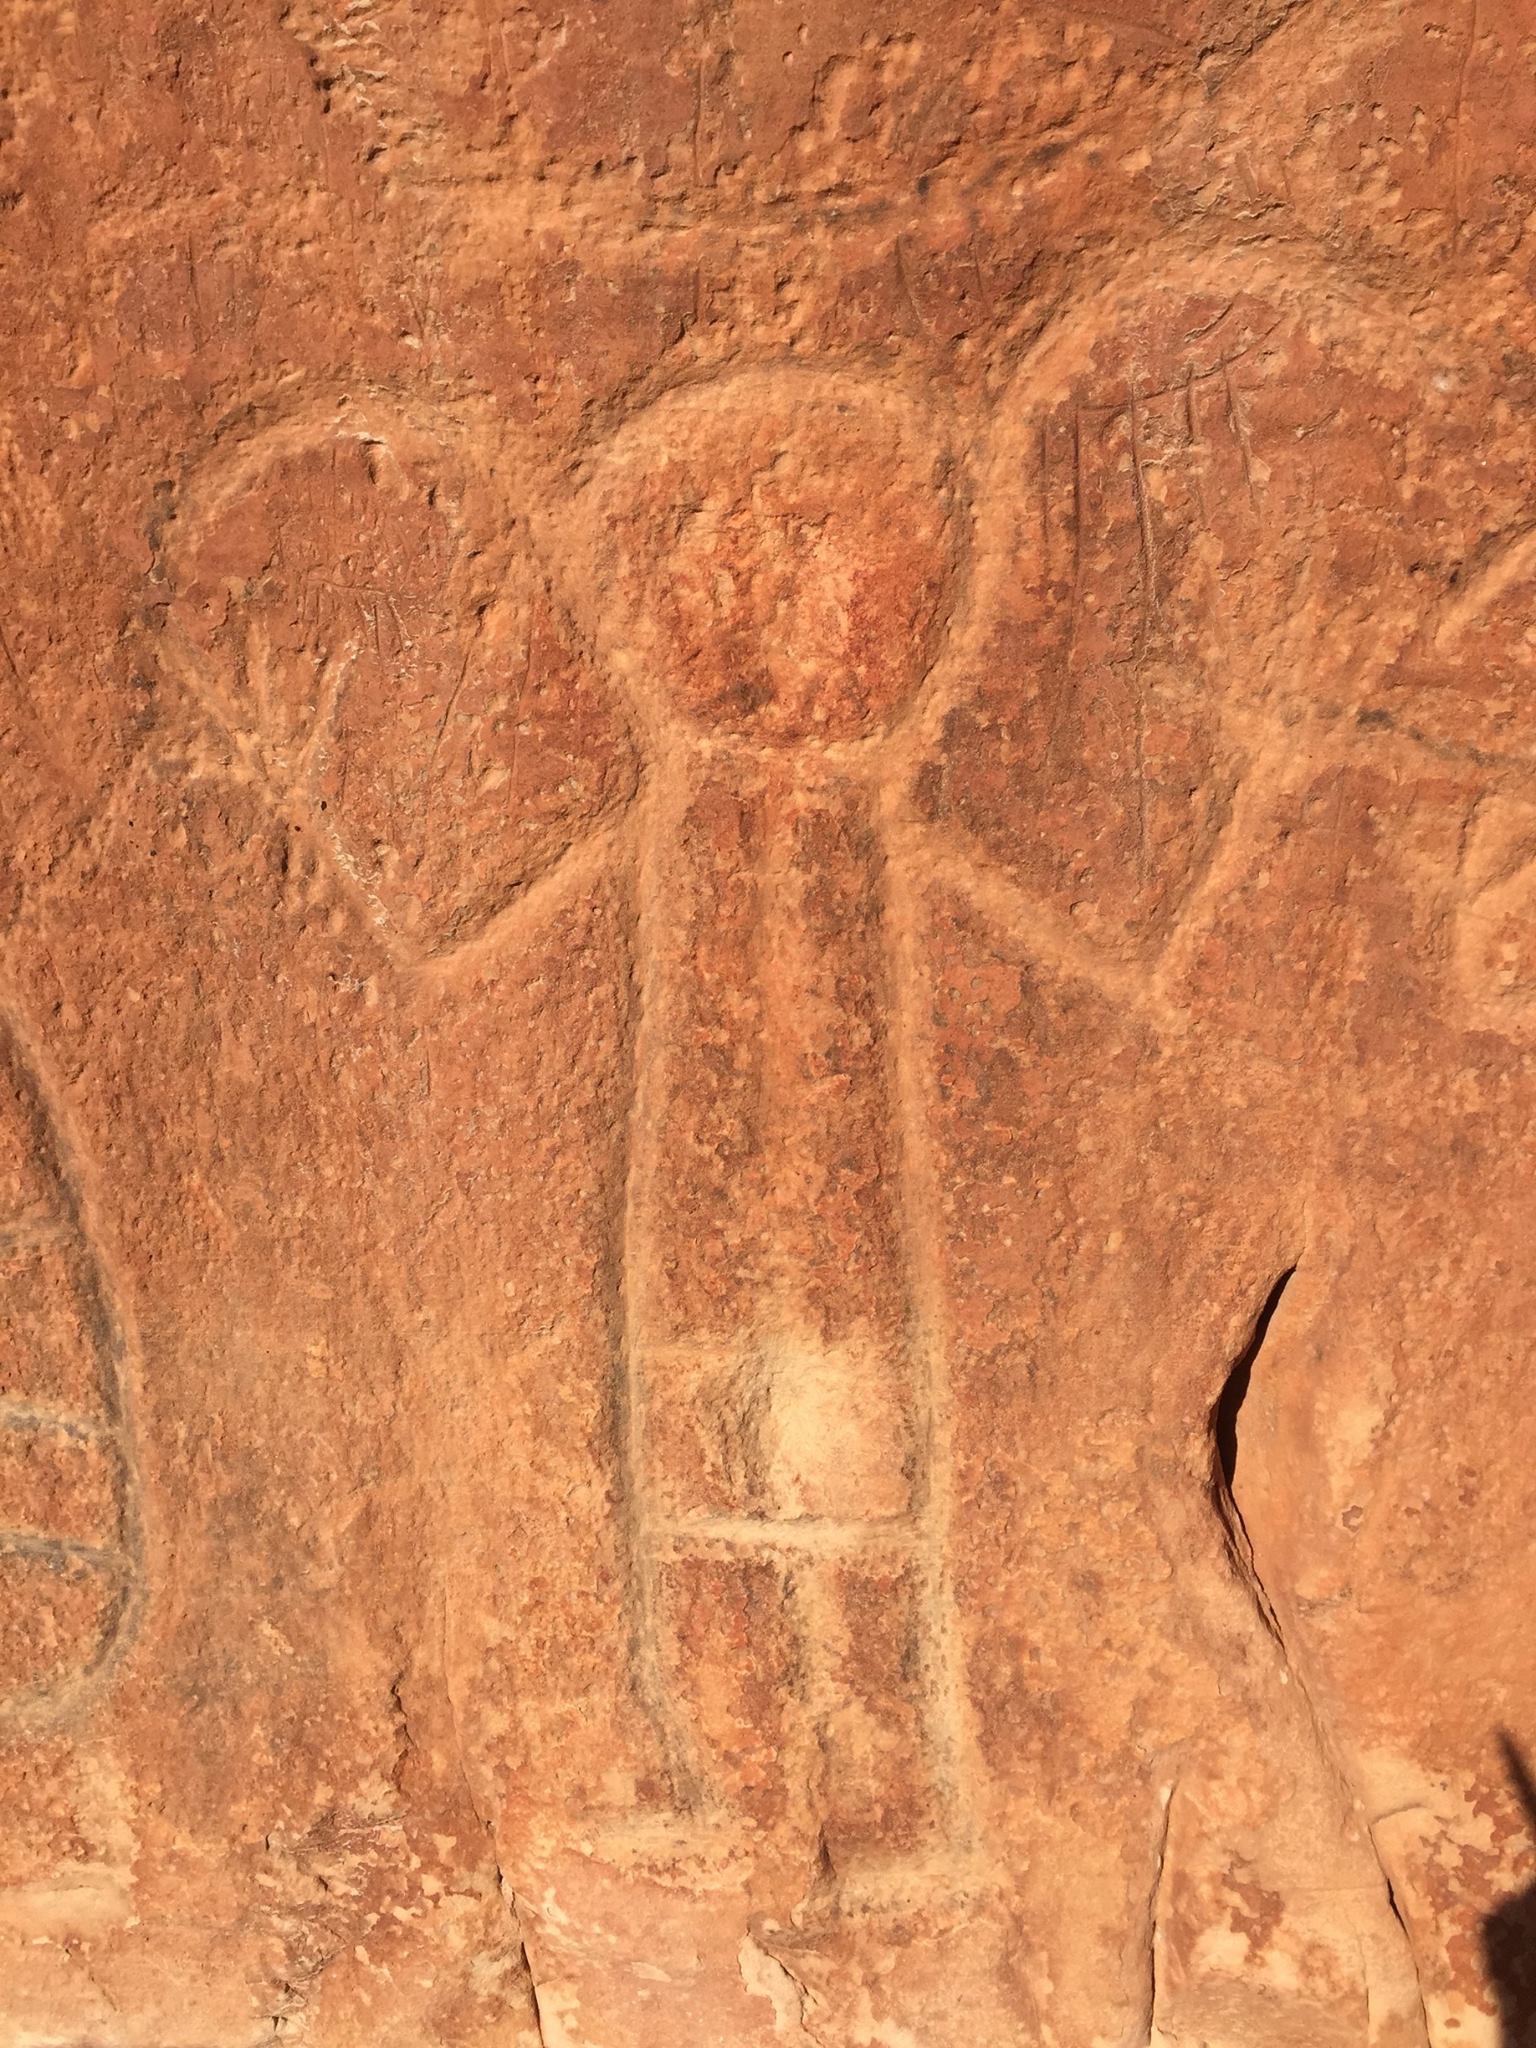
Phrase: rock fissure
x=504 y=1888
x=1408 y=1941
x=1225 y=1449
x=1155 y=1909
x=1224 y=1457
x=515 y=1910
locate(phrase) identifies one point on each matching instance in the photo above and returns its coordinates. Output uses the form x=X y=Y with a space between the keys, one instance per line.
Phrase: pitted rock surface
x=767 y=1025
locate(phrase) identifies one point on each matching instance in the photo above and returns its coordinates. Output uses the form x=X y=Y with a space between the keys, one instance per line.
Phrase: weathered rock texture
x=767 y=1024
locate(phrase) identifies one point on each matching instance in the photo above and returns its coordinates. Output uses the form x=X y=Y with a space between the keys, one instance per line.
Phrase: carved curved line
x=34 y=1709
x=242 y=457
x=584 y=861
x=709 y=381
x=1041 y=931
x=39 y=1709
x=1107 y=298
x=416 y=433
x=246 y=447
x=1511 y=557
x=1104 y=300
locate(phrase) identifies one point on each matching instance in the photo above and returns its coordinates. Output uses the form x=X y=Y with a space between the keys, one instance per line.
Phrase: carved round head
x=774 y=555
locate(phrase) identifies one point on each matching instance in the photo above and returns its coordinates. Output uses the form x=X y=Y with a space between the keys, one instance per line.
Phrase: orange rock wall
x=767 y=1025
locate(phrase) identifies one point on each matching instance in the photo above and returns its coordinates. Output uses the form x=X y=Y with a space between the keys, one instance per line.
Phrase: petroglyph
x=781 y=1368
x=1495 y=944
x=746 y=753
x=70 y=1565
x=405 y=691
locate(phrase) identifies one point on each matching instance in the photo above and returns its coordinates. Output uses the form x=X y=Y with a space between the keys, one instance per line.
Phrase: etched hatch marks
x=1085 y=757
x=383 y=653
x=1184 y=469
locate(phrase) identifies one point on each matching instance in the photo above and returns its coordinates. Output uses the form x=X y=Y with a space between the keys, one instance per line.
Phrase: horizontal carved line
x=28 y=1232
x=896 y=1880
x=817 y=1533
x=60 y=1550
x=26 y=1415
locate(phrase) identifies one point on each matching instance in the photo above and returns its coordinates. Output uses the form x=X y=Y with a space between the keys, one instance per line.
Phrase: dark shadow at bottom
x=1509 y=1932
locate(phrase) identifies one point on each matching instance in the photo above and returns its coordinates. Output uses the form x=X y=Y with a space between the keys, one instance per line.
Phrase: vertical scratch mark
x=1149 y=609
x=1077 y=531
x=311 y=756
x=906 y=285
x=1149 y=603
x=1193 y=444
x=452 y=704
x=476 y=633
x=981 y=280
x=1239 y=432
x=1045 y=501
x=1458 y=193
x=517 y=709
x=698 y=119
x=404 y=644
x=1155 y=1907
x=10 y=661
x=196 y=300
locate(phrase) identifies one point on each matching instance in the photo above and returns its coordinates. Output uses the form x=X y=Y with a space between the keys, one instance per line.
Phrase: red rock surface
x=767 y=1025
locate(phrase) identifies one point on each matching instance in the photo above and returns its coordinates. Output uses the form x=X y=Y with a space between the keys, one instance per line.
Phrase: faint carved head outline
x=777 y=550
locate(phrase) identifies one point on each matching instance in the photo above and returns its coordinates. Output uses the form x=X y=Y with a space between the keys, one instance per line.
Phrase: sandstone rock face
x=768 y=1025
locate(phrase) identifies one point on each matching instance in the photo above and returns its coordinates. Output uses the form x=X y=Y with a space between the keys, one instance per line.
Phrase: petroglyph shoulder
x=369 y=624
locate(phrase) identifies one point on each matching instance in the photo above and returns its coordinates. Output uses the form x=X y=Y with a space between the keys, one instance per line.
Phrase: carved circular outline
x=574 y=542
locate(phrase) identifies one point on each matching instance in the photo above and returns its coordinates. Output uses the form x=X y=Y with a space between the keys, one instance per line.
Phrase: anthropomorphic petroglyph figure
x=909 y=806
x=785 y=555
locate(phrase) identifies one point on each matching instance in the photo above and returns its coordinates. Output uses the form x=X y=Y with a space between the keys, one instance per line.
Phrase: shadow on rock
x=1509 y=1932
